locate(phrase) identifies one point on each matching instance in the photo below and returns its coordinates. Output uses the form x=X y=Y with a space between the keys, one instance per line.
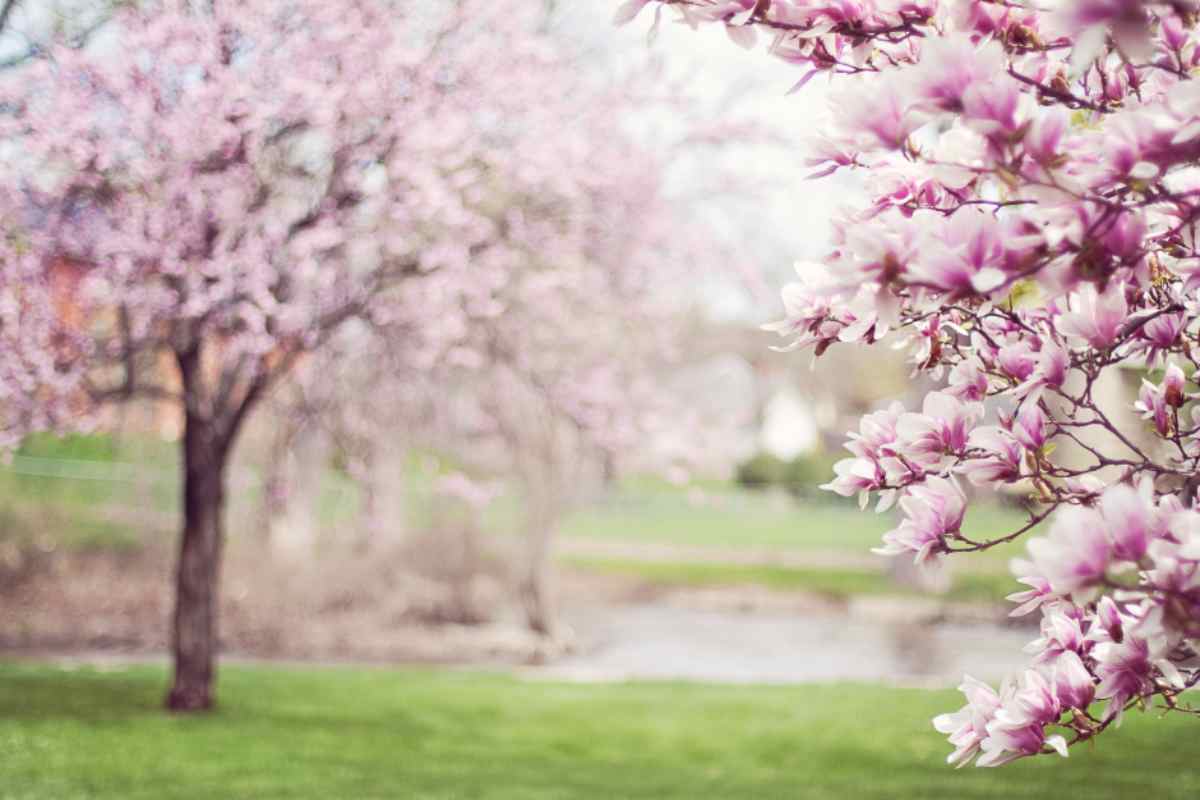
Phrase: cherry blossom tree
x=197 y=201
x=1030 y=231
x=556 y=373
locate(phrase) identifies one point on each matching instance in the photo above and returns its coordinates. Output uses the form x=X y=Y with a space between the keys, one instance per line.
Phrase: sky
x=786 y=218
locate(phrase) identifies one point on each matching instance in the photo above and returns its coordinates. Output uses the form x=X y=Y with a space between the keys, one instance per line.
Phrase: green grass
x=979 y=587
x=732 y=517
x=340 y=733
x=639 y=509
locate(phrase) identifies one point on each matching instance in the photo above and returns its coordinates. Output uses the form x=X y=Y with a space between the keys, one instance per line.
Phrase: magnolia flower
x=1045 y=134
x=940 y=430
x=1129 y=519
x=855 y=475
x=953 y=71
x=1018 y=359
x=1075 y=556
x=1173 y=386
x=1032 y=598
x=1029 y=428
x=967 y=727
x=885 y=113
x=1152 y=404
x=1073 y=684
x=1001 y=459
x=1126 y=671
x=967 y=380
x=1060 y=634
x=933 y=510
x=1161 y=333
x=819 y=310
x=1018 y=727
x=1098 y=317
x=964 y=257
x=874 y=464
x=1049 y=370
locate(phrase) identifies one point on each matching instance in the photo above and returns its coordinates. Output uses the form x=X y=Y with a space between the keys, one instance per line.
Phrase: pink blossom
x=1033 y=597
x=1098 y=317
x=1045 y=134
x=886 y=116
x=1029 y=428
x=940 y=430
x=1161 y=333
x=1108 y=625
x=933 y=510
x=1000 y=461
x=1075 y=555
x=1049 y=370
x=953 y=67
x=967 y=381
x=968 y=727
x=1018 y=727
x=1129 y=518
x=1018 y=360
x=1173 y=386
x=1152 y=404
x=855 y=475
x=1073 y=684
x=1061 y=633
x=966 y=259
x=1125 y=669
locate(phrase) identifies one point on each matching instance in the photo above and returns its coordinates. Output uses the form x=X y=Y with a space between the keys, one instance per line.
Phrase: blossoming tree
x=559 y=370
x=1034 y=194
x=194 y=206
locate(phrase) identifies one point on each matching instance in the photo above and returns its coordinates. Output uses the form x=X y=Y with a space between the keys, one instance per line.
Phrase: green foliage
x=801 y=476
x=804 y=474
x=761 y=471
x=363 y=734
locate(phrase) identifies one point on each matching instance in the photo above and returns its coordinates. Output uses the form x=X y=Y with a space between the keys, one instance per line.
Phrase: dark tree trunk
x=194 y=628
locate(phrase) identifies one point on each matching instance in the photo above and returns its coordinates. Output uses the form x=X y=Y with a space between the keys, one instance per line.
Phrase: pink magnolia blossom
x=1018 y=727
x=1074 y=557
x=1029 y=427
x=1130 y=519
x=1152 y=403
x=967 y=728
x=940 y=430
x=1073 y=684
x=1126 y=671
x=1098 y=317
x=1001 y=460
x=1031 y=599
x=933 y=510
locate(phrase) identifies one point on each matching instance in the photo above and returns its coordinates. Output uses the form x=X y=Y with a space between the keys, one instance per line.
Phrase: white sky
x=788 y=219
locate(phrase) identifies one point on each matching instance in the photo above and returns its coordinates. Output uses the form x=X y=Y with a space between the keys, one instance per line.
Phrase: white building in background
x=789 y=425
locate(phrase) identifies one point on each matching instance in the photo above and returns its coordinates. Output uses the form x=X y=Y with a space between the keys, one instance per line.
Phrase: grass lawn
x=976 y=587
x=732 y=517
x=96 y=491
x=341 y=733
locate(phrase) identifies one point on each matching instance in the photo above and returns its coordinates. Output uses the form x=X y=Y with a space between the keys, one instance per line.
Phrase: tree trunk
x=194 y=630
x=535 y=589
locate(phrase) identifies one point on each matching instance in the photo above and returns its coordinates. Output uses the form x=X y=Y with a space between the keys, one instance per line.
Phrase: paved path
x=664 y=642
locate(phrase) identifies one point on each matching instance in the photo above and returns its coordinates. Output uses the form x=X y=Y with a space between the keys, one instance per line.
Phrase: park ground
x=88 y=531
x=85 y=599
x=68 y=734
